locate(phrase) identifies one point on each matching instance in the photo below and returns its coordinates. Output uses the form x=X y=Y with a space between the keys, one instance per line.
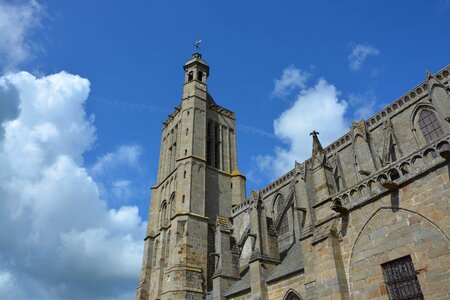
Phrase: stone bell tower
x=198 y=180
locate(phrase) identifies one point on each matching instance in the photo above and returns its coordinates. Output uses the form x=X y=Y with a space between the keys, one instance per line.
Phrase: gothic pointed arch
x=292 y=295
x=172 y=205
x=426 y=124
x=383 y=251
x=277 y=202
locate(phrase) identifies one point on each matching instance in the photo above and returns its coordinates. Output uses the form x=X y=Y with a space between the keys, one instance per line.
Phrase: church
x=366 y=217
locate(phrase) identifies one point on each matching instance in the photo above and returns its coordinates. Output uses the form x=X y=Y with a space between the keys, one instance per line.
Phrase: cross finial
x=197 y=44
x=314 y=133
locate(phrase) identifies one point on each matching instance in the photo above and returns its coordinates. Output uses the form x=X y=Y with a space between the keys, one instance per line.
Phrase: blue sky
x=79 y=149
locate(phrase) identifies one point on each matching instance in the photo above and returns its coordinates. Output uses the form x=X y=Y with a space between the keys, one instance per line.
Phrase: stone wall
x=279 y=289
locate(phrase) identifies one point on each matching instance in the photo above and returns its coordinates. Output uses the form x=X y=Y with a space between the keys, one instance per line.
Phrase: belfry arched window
x=429 y=125
x=200 y=76
x=190 y=76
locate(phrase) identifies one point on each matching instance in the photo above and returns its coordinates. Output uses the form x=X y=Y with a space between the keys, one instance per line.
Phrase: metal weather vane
x=197 y=44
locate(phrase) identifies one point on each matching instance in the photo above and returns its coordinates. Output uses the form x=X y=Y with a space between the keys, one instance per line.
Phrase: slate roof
x=240 y=286
x=292 y=263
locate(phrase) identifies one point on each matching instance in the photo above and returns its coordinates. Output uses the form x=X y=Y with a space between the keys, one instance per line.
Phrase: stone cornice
x=375 y=183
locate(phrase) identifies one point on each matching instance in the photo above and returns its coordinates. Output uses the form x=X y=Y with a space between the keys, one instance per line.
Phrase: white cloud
x=9 y=104
x=126 y=155
x=291 y=79
x=359 y=54
x=316 y=108
x=112 y=170
x=17 y=22
x=365 y=104
x=6 y=282
x=122 y=189
x=58 y=236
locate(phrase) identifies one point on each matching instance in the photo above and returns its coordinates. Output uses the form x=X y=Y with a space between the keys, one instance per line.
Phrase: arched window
x=200 y=76
x=429 y=125
x=283 y=226
x=190 y=76
x=155 y=253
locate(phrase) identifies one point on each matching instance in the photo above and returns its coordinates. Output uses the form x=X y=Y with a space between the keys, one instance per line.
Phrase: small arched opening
x=200 y=76
x=292 y=295
x=190 y=76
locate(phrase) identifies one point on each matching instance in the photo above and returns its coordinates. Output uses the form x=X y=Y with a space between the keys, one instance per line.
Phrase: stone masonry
x=367 y=217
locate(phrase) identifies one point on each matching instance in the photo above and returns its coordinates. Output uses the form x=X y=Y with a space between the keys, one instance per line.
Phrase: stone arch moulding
x=398 y=249
x=164 y=202
x=292 y=295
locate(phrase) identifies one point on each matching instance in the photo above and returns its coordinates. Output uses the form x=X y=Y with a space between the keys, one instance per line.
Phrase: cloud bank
x=58 y=237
